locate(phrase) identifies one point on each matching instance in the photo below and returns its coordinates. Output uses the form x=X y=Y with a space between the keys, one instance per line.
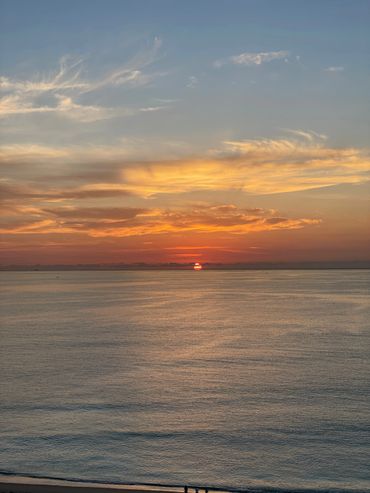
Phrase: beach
x=17 y=484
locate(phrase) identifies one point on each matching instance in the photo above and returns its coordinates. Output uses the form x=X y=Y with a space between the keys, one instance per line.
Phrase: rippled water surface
x=229 y=378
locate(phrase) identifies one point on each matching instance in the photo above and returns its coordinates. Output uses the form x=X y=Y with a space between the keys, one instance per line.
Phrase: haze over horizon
x=217 y=132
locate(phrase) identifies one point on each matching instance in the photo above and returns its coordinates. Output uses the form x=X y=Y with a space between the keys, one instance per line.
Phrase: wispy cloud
x=334 y=70
x=308 y=135
x=192 y=82
x=151 y=109
x=261 y=166
x=138 y=150
x=15 y=104
x=250 y=59
x=67 y=77
x=59 y=92
x=20 y=194
x=63 y=106
x=255 y=166
x=131 y=73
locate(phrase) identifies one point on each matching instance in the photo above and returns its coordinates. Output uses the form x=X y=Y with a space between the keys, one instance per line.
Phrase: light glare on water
x=231 y=378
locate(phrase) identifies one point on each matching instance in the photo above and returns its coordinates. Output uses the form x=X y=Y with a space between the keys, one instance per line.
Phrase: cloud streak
x=58 y=93
x=11 y=193
x=250 y=59
x=254 y=166
x=263 y=166
x=67 y=77
x=334 y=70
x=126 y=222
x=64 y=106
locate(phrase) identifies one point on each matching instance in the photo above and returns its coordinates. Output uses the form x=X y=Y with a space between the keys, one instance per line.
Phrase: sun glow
x=197 y=266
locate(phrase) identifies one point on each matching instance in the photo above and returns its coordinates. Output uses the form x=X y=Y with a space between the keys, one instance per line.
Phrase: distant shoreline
x=350 y=265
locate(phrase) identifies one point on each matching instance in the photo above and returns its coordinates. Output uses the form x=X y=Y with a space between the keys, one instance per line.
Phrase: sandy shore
x=16 y=484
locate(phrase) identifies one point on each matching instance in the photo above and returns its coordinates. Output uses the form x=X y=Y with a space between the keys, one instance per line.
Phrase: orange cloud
x=258 y=167
x=125 y=222
x=100 y=196
x=262 y=166
x=11 y=192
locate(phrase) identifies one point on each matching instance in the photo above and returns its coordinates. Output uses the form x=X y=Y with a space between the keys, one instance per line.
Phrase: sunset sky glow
x=159 y=131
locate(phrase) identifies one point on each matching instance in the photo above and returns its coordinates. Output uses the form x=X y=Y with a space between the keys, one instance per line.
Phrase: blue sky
x=184 y=123
x=231 y=101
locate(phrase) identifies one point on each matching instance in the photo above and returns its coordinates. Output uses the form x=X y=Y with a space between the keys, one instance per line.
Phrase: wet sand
x=37 y=485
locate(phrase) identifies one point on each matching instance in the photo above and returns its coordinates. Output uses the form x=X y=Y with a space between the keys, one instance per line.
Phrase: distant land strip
x=355 y=264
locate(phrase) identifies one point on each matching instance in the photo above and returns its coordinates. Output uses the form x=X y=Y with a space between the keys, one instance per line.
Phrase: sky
x=227 y=131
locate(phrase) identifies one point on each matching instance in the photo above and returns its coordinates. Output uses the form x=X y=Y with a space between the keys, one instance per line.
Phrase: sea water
x=218 y=378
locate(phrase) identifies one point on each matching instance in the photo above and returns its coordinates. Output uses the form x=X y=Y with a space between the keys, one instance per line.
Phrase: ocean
x=234 y=379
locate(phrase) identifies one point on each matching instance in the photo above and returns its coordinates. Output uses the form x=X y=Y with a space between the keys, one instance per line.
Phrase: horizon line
x=304 y=265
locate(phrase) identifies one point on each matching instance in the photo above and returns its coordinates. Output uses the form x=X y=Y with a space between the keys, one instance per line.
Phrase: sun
x=197 y=266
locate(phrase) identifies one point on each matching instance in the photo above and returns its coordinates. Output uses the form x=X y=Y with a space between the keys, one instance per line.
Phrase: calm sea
x=221 y=378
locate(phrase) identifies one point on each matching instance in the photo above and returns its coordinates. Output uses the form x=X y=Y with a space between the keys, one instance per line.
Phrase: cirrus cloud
x=62 y=92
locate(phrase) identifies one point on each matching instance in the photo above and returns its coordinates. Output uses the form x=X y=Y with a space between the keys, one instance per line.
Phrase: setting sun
x=197 y=266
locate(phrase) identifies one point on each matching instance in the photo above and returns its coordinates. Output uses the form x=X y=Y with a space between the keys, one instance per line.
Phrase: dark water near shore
x=224 y=378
